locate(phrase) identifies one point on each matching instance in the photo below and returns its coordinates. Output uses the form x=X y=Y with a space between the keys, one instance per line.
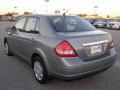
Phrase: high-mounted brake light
x=64 y=49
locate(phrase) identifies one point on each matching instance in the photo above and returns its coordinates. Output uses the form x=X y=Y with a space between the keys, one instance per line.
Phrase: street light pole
x=95 y=7
x=46 y=6
x=15 y=9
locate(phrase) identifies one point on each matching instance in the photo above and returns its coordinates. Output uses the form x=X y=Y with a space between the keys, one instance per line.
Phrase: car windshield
x=116 y=20
x=103 y=20
x=91 y=19
x=70 y=24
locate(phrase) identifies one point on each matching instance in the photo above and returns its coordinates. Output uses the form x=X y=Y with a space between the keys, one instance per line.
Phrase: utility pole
x=46 y=6
x=15 y=7
x=95 y=8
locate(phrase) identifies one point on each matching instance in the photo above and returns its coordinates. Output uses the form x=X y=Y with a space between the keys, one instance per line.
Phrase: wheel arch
x=35 y=54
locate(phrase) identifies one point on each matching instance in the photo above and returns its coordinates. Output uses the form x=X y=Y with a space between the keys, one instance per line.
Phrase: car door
x=13 y=38
x=28 y=37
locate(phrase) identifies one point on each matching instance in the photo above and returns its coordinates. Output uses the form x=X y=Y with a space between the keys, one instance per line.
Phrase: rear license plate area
x=93 y=50
x=96 y=49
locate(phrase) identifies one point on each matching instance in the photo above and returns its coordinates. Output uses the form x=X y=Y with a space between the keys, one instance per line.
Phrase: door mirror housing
x=10 y=30
x=13 y=29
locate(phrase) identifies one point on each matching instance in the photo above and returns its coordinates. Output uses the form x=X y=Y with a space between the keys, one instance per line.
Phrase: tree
x=82 y=15
x=27 y=13
x=47 y=0
x=9 y=14
x=108 y=16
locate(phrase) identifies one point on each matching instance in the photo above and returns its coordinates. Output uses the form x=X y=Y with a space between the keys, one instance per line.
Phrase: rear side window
x=70 y=24
x=20 y=24
x=31 y=24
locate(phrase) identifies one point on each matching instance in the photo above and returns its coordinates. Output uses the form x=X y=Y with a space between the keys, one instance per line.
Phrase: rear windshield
x=70 y=24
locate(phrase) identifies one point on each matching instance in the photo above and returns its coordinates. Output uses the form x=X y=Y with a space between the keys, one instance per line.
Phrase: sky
x=105 y=7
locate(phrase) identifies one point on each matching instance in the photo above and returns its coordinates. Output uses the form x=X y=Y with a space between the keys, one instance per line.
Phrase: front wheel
x=7 y=49
x=40 y=70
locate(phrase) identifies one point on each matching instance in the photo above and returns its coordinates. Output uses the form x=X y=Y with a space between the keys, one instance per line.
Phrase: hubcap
x=6 y=48
x=38 y=70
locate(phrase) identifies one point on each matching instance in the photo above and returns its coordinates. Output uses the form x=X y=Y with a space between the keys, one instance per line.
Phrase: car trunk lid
x=88 y=44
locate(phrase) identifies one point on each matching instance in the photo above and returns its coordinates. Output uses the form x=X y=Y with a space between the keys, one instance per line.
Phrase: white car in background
x=114 y=24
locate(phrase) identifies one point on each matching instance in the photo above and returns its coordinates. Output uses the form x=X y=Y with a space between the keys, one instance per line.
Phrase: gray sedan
x=66 y=47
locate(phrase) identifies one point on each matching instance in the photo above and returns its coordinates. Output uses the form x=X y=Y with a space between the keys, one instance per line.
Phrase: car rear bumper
x=73 y=72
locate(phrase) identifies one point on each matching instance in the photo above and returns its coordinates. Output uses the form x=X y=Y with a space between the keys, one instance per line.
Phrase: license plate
x=96 y=49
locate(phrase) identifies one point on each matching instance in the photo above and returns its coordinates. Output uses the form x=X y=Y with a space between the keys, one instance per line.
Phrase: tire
x=7 y=49
x=40 y=70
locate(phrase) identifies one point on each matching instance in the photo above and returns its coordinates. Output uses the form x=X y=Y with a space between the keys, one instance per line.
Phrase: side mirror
x=13 y=29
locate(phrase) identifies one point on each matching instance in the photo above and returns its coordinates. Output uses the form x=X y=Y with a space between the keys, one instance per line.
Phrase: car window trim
x=38 y=22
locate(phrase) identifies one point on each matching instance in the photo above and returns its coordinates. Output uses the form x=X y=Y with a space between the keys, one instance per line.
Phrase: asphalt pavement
x=16 y=74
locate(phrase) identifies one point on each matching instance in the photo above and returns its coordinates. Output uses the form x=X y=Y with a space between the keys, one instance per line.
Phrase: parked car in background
x=101 y=23
x=114 y=24
x=9 y=18
x=4 y=18
x=12 y=18
x=62 y=46
x=92 y=20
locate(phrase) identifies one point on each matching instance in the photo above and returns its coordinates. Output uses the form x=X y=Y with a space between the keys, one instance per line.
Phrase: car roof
x=44 y=15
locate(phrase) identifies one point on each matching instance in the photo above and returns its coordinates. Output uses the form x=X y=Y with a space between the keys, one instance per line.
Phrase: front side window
x=20 y=24
x=116 y=20
x=31 y=24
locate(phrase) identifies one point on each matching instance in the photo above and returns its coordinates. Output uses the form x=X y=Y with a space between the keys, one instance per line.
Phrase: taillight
x=64 y=49
x=111 y=44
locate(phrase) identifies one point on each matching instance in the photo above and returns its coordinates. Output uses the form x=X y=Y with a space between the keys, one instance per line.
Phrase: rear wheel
x=40 y=70
x=7 y=49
